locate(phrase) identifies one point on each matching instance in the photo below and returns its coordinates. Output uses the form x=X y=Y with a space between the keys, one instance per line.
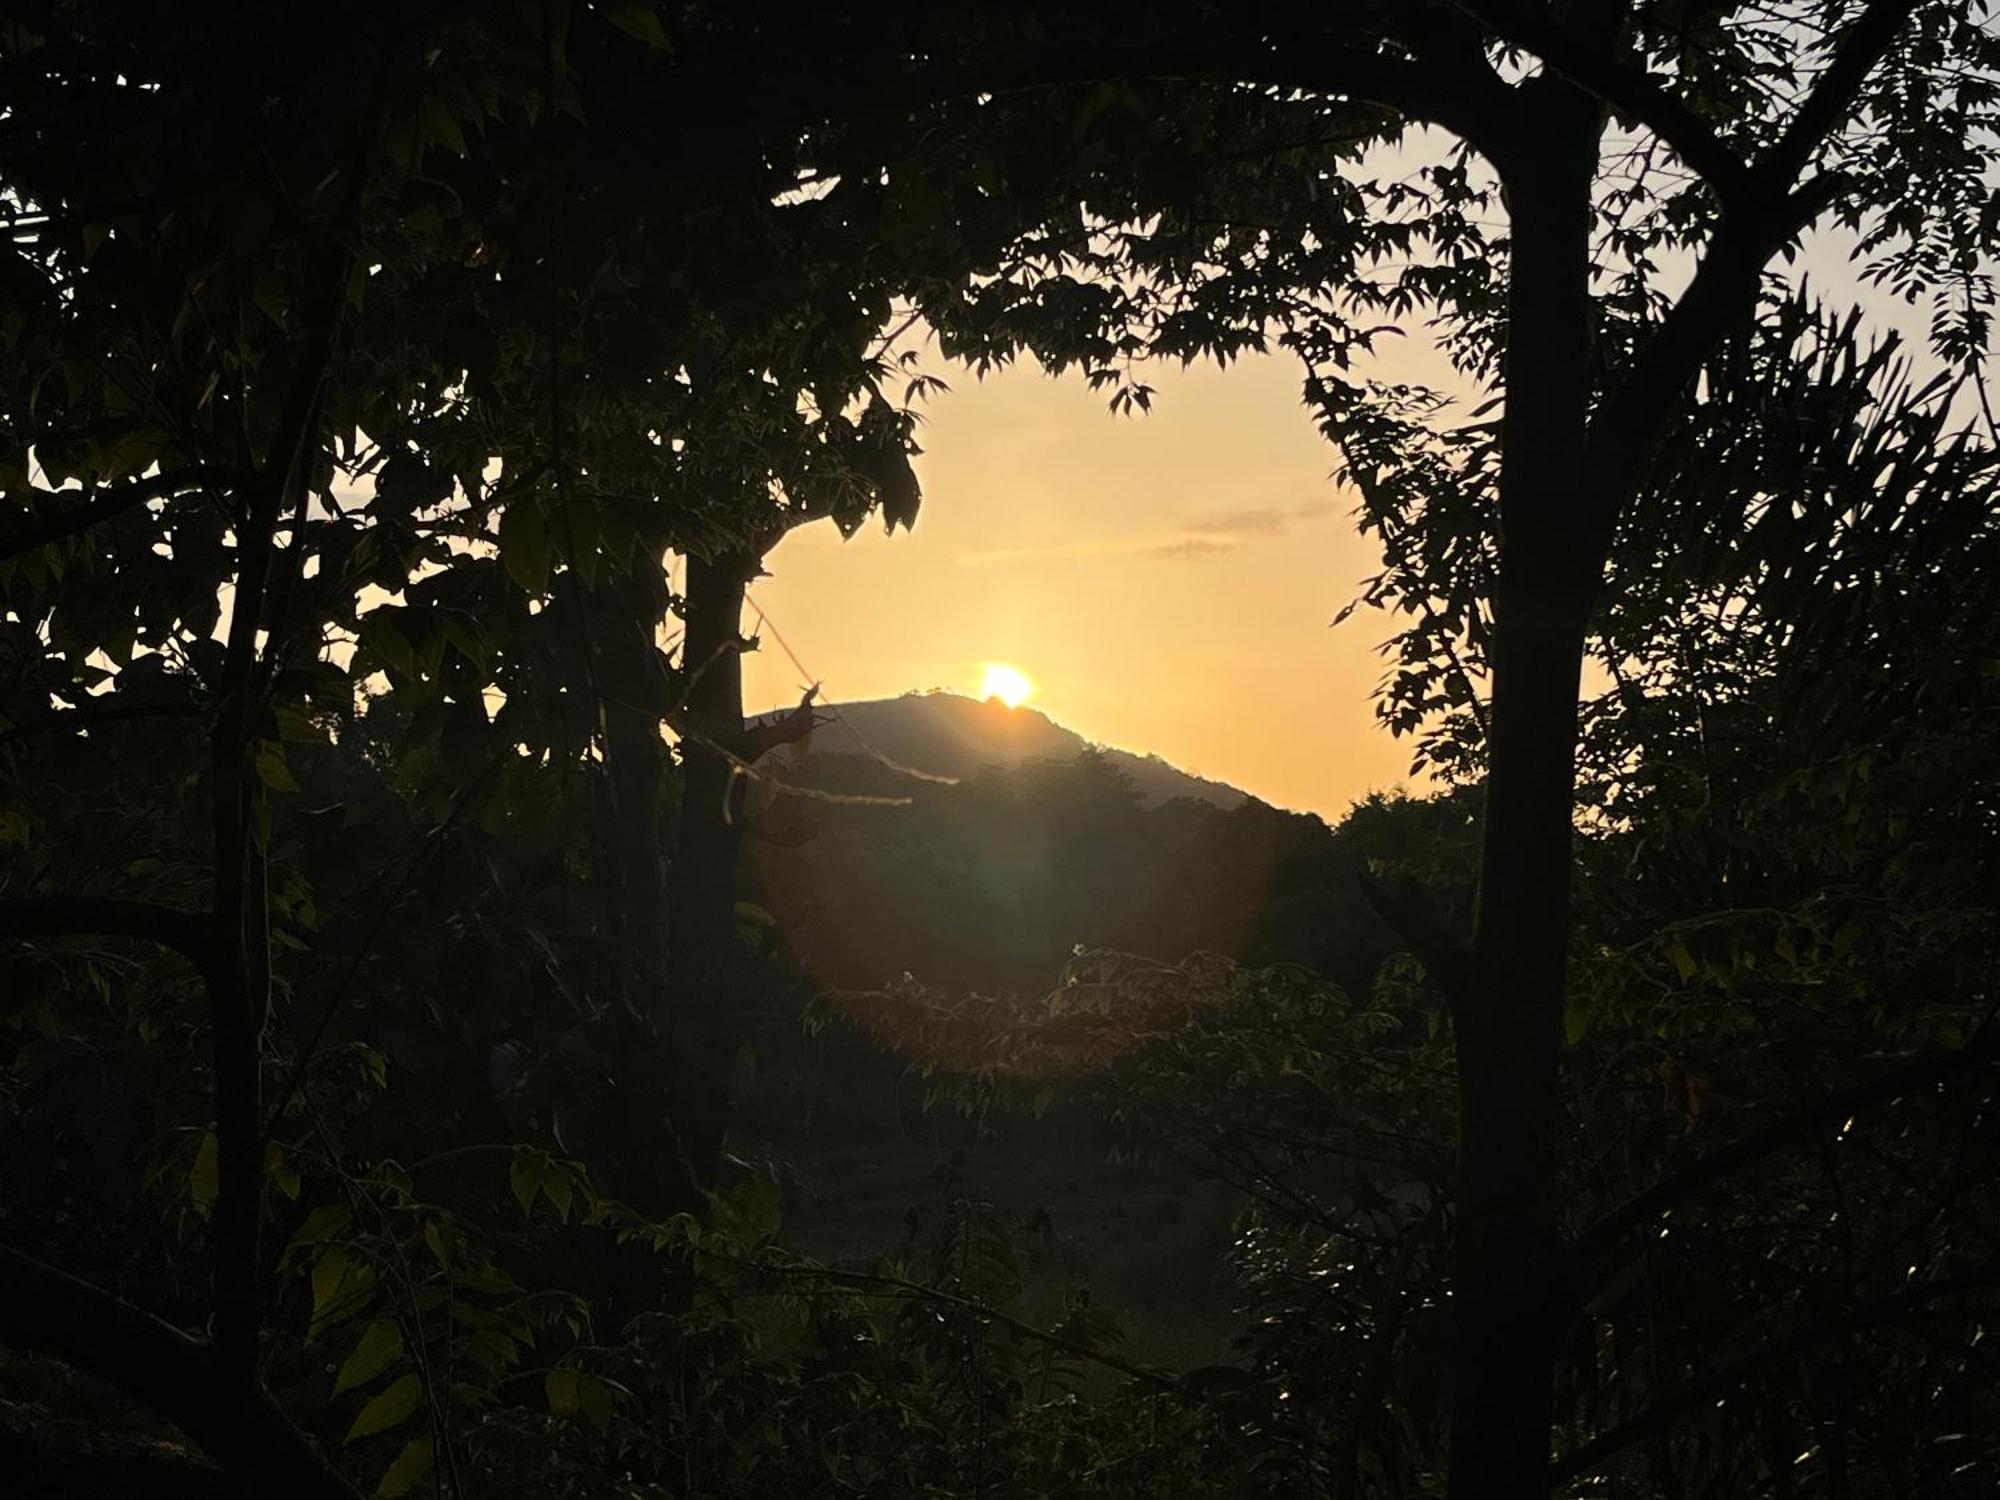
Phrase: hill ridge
x=949 y=734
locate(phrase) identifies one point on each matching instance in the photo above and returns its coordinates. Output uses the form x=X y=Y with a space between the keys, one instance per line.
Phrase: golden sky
x=1166 y=579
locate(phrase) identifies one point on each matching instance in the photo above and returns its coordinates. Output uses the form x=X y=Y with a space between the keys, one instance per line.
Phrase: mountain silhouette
x=946 y=734
x=1016 y=841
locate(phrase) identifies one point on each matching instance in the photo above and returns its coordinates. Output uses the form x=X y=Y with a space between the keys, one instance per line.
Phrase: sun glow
x=1010 y=685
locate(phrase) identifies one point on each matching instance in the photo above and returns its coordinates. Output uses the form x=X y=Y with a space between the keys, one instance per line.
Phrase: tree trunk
x=703 y=951
x=630 y=1145
x=1508 y=1023
x=635 y=758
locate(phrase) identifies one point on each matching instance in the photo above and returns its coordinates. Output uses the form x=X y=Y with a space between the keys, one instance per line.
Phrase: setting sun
x=1010 y=685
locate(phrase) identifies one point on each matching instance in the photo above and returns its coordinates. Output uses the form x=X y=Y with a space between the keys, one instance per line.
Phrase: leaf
x=439 y=126
x=524 y=545
x=295 y=724
x=321 y=1225
x=558 y=1189
x=328 y=1272
x=754 y=1207
x=486 y=1277
x=411 y=1467
x=1576 y=1017
x=434 y=1237
x=425 y=223
x=204 y=1180
x=406 y=484
x=278 y=1172
x=380 y=1345
x=525 y=1176
x=270 y=299
x=637 y=18
x=561 y=1386
x=393 y=1406
x=382 y=635
x=272 y=770
x=343 y=1284
x=595 y=1398
x=1683 y=961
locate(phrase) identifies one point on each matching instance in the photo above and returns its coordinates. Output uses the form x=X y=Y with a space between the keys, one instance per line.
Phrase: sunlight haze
x=1167 y=578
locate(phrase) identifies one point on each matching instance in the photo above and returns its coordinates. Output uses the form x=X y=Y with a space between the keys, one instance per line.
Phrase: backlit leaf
x=391 y=1407
x=272 y=770
x=203 y=1178
x=409 y=1470
x=637 y=18
x=561 y=1387
x=380 y=1344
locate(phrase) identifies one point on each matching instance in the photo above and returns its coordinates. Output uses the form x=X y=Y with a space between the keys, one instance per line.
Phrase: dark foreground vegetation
x=407 y=1075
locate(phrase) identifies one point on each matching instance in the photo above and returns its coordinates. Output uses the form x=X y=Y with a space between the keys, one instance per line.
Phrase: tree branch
x=1472 y=103
x=1409 y=914
x=901 y=1286
x=761 y=738
x=49 y=1312
x=1355 y=57
x=94 y=712
x=157 y=1472
x=1623 y=85
x=186 y=933
x=1592 y=1244
x=1700 y=1391
x=1853 y=60
x=240 y=980
x=87 y=508
x=1629 y=423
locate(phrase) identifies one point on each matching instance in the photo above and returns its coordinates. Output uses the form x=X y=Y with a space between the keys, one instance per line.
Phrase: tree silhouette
x=1186 y=221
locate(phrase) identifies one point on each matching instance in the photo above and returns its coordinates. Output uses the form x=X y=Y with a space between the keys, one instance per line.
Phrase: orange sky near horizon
x=1167 y=579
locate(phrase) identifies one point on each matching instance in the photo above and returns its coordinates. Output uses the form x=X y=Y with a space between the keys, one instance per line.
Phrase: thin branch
x=902 y=1287
x=761 y=738
x=1595 y=1241
x=83 y=509
x=1660 y=1416
x=1622 y=84
x=418 y=860
x=1854 y=58
x=1344 y=60
x=130 y=1468
x=49 y=1312
x=1409 y=914
x=84 y=716
x=1629 y=423
x=184 y=932
x=240 y=989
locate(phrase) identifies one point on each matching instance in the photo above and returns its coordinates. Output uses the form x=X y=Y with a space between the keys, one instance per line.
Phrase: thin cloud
x=1192 y=548
x=1265 y=522
x=1205 y=536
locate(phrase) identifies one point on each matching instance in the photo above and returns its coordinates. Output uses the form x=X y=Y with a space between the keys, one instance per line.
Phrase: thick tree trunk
x=635 y=763
x=630 y=1143
x=1509 y=1021
x=703 y=951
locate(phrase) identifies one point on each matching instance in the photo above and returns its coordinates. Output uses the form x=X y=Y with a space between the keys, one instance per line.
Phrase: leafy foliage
x=342 y=446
